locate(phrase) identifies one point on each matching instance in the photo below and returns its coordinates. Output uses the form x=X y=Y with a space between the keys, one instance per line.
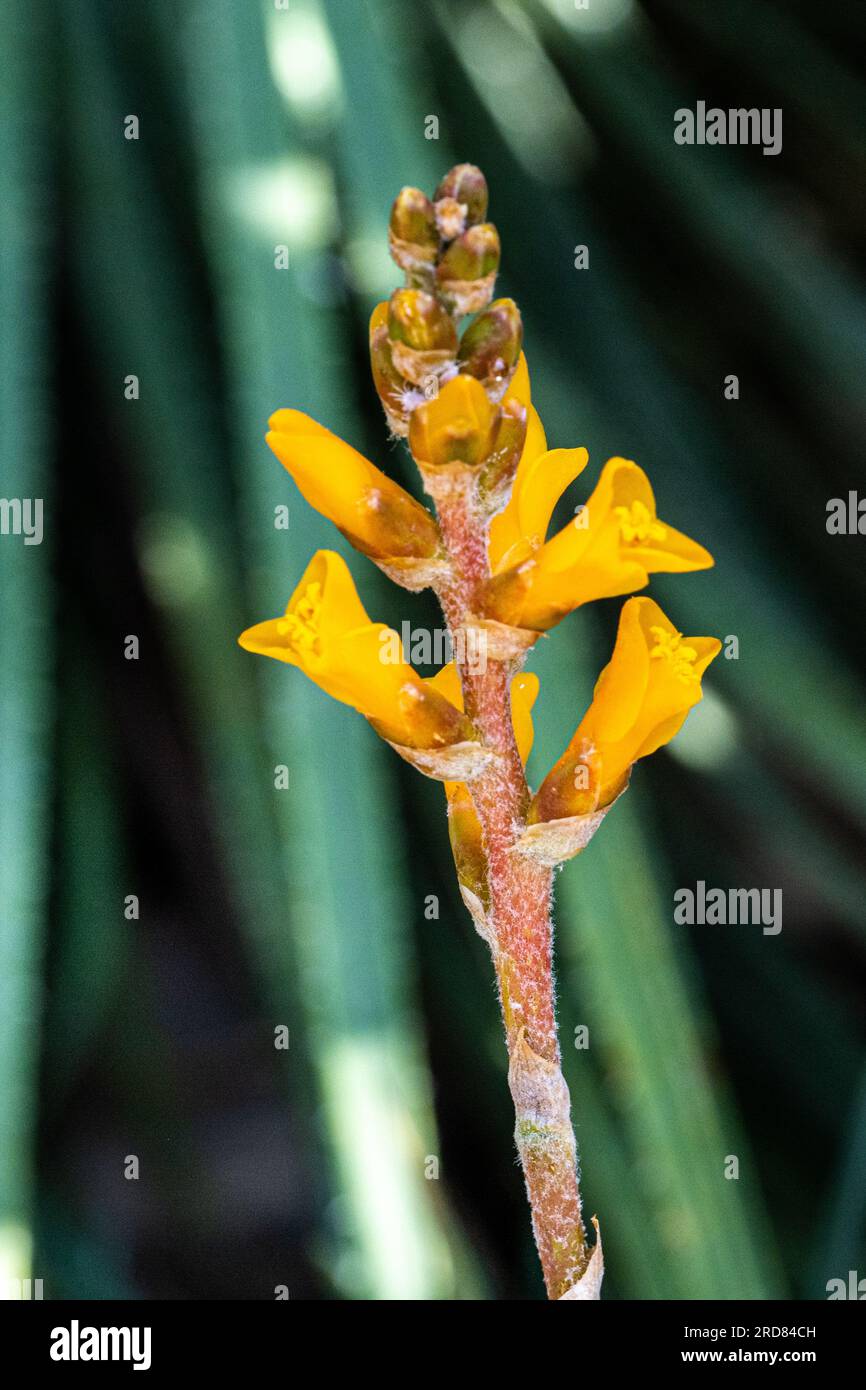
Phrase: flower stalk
x=461 y=397
x=517 y=923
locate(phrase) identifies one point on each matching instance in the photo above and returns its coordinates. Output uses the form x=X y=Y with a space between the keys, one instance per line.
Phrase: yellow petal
x=524 y=693
x=329 y=472
x=506 y=536
x=530 y=596
x=365 y=672
x=621 y=687
x=646 y=692
x=594 y=533
x=643 y=536
x=447 y=682
x=326 y=632
x=679 y=554
x=641 y=700
x=538 y=488
x=610 y=548
x=378 y=516
x=323 y=606
x=457 y=424
x=519 y=384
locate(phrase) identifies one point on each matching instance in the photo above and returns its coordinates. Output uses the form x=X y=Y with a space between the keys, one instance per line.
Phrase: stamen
x=637 y=523
x=301 y=626
x=668 y=648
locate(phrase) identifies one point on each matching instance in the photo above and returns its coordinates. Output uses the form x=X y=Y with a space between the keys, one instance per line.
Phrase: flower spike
x=461 y=397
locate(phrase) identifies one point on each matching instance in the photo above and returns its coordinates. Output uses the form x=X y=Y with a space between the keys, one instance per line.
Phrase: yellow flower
x=641 y=700
x=462 y=426
x=378 y=516
x=326 y=632
x=464 y=827
x=611 y=547
x=458 y=424
x=518 y=532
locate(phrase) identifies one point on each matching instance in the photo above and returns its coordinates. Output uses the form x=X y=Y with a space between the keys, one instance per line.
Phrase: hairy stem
x=518 y=925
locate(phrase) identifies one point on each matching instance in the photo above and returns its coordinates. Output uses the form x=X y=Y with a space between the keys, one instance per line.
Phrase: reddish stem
x=519 y=919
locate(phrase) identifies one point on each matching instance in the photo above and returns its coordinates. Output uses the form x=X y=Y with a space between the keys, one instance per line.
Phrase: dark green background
x=305 y=907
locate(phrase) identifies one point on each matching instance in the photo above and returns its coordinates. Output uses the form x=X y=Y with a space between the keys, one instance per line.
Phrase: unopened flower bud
x=459 y=426
x=423 y=336
x=380 y=518
x=571 y=788
x=389 y=384
x=432 y=721
x=472 y=256
x=418 y=320
x=413 y=236
x=506 y=595
x=501 y=464
x=464 y=832
x=466 y=184
x=466 y=273
x=490 y=348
